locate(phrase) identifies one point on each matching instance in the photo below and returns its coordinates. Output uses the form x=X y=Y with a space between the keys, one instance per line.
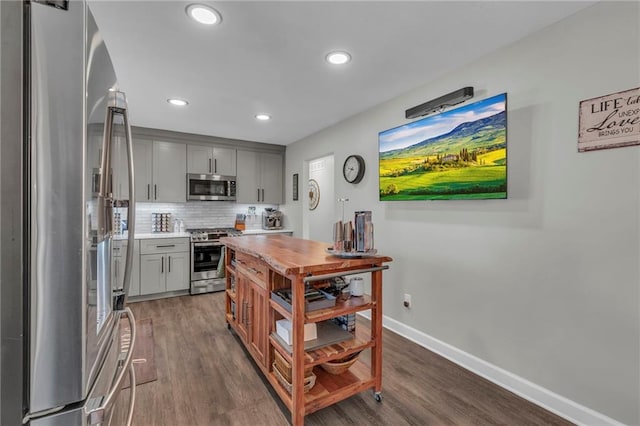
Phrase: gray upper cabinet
x=143 y=170
x=271 y=172
x=120 y=171
x=160 y=171
x=203 y=159
x=259 y=178
x=170 y=171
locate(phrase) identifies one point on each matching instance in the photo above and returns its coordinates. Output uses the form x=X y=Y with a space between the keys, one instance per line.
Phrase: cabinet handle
x=167 y=245
x=148 y=191
x=215 y=165
x=258 y=194
x=155 y=191
x=263 y=195
x=209 y=165
x=169 y=264
x=162 y=265
x=244 y=312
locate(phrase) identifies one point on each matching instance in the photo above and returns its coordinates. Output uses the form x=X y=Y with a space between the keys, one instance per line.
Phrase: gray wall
x=544 y=284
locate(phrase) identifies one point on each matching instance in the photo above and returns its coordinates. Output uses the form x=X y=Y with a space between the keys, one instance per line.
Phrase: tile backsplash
x=199 y=214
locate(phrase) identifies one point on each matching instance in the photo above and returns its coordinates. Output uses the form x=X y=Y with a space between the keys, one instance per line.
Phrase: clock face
x=314 y=194
x=353 y=169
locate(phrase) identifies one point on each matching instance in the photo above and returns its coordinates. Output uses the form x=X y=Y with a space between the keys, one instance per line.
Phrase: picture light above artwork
x=438 y=104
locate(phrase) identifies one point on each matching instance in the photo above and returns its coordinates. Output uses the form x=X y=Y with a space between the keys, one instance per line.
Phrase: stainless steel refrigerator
x=63 y=310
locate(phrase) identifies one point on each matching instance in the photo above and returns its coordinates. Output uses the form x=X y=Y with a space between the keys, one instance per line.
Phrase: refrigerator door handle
x=132 y=398
x=105 y=200
x=118 y=105
x=132 y=394
x=98 y=415
x=131 y=211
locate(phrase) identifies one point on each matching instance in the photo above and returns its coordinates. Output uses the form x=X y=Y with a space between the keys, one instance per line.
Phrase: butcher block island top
x=259 y=269
x=287 y=255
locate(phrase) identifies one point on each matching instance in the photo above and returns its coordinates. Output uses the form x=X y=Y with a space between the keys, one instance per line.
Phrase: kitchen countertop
x=152 y=235
x=163 y=235
x=288 y=255
x=266 y=231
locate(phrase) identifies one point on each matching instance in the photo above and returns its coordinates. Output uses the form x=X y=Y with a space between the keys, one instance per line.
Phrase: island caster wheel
x=378 y=396
x=228 y=326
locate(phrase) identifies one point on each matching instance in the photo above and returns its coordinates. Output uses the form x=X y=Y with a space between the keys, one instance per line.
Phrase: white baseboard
x=545 y=398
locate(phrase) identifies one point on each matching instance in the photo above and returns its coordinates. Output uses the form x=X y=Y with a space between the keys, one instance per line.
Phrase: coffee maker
x=271 y=219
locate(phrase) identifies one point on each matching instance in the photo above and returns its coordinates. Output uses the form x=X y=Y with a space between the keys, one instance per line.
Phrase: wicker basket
x=284 y=368
x=309 y=381
x=339 y=366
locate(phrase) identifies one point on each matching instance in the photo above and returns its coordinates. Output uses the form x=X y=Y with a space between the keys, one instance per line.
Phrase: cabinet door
x=152 y=274
x=134 y=286
x=177 y=271
x=257 y=323
x=119 y=168
x=271 y=178
x=224 y=161
x=143 y=170
x=169 y=172
x=242 y=310
x=120 y=248
x=247 y=178
x=199 y=159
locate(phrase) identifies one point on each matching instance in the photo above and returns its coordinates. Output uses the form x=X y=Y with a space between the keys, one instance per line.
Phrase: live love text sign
x=610 y=121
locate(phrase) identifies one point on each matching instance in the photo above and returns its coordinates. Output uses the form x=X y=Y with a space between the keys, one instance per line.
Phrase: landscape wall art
x=455 y=155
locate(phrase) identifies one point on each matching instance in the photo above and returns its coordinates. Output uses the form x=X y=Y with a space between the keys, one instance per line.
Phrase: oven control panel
x=212 y=234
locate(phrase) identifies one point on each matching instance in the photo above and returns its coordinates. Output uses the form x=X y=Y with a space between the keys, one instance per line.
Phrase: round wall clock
x=314 y=194
x=353 y=169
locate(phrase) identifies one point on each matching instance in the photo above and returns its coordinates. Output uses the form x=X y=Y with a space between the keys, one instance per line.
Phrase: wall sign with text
x=610 y=121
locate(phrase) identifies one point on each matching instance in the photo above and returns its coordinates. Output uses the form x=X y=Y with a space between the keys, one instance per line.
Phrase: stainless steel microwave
x=211 y=187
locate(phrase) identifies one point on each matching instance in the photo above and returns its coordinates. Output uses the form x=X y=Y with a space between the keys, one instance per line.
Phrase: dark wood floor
x=206 y=378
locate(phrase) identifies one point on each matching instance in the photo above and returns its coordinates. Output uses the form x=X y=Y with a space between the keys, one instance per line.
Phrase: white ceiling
x=269 y=57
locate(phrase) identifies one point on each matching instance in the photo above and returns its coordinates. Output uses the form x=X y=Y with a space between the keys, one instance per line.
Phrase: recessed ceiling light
x=204 y=14
x=338 y=58
x=263 y=117
x=177 y=102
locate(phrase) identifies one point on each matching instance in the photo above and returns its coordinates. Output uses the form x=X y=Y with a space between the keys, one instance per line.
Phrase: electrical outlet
x=407 y=301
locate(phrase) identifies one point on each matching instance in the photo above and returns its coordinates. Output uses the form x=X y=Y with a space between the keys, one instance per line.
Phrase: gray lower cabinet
x=164 y=265
x=119 y=260
x=178 y=268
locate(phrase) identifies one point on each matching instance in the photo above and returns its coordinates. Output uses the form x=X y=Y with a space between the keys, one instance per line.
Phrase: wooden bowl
x=339 y=367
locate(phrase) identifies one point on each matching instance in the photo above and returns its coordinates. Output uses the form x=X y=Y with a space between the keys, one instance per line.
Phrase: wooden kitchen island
x=258 y=265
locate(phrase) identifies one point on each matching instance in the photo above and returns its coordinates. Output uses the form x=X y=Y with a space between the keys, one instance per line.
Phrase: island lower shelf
x=327 y=353
x=329 y=388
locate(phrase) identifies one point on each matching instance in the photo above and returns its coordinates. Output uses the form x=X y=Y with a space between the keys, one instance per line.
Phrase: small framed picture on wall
x=295 y=187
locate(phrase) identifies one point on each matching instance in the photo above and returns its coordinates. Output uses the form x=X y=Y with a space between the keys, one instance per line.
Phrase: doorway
x=318 y=223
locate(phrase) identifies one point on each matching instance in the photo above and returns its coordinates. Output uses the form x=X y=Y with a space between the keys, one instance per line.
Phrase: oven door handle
x=211 y=244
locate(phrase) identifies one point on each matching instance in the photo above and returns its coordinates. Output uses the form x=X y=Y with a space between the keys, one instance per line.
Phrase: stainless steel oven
x=207 y=259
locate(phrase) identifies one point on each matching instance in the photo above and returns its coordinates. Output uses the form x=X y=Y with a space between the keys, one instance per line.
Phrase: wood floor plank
x=205 y=378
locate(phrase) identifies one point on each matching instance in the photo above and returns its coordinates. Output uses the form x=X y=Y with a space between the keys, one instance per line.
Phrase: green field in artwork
x=467 y=162
x=483 y=182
